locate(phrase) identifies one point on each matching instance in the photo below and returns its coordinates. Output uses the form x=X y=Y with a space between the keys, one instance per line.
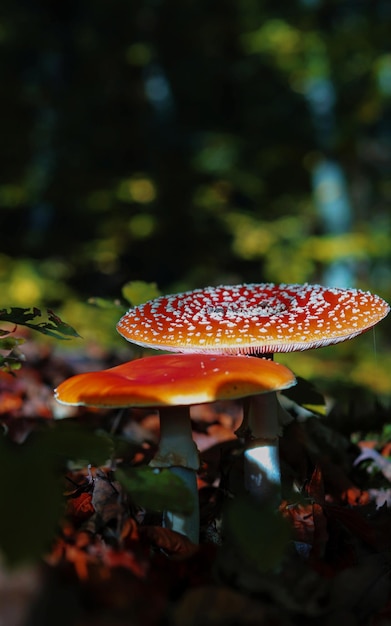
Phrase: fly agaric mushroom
x=171 y=383
x=254 y=319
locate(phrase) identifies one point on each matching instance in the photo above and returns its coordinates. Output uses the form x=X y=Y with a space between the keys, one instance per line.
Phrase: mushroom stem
x=178 y=452
x=186 y=524
x=260 y=430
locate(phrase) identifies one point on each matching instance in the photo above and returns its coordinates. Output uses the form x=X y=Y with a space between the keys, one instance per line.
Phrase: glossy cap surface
x=175 y=379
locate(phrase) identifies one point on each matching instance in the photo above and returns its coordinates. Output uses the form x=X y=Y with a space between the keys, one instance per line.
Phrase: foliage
x=247 y=525
x=78 y=495
x=178 y=143
x=162 y=148
x=49 y=452
x=158 y=490
x=137 y=292
x=54 y=327
x=18 y=316
x=8 y=345
x=33 y=472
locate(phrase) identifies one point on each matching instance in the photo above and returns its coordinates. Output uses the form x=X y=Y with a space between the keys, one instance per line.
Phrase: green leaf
x=70 y=441
x=31 y=486
x=104 y=303
x=259 y=533
x=306 y=395
x=53 y=327
x=7 y=343
x=137 y=292
x=19 y=315
x=9 y=363
x=60 y=327
x=31 y=502
x=156 y=489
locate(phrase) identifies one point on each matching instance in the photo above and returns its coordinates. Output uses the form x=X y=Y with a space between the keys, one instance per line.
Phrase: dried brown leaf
x=222 y=606
x=171 y=542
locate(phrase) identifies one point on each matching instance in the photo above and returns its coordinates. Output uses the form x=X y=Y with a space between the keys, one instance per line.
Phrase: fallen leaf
x=171 y=542
x=218 y=606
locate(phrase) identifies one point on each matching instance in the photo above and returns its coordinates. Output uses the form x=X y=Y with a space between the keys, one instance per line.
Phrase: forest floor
x=109 y=561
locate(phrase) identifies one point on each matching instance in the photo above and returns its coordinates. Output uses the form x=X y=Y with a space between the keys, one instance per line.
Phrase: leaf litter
x=82 y=512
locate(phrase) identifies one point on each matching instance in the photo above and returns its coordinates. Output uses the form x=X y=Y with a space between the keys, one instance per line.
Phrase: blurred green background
x=194 y=142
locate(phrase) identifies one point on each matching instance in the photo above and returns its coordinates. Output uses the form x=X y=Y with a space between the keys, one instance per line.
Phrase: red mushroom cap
x=172 y=379
x=252 y=318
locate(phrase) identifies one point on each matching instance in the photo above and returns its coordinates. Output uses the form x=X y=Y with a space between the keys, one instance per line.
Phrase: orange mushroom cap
x=252 y=318
x=172 y=379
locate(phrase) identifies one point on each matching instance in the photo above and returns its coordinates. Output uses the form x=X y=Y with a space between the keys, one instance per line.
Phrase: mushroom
x=171 y=383
x=257 y=319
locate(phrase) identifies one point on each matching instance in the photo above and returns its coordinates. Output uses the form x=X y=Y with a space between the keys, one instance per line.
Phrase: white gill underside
x=218 y=346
